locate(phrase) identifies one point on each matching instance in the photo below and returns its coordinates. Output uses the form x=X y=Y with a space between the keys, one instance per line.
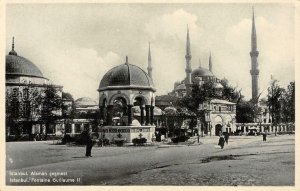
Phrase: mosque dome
x=126 y=76
x=17 y=65
x=85 y=102
x=180 y=87
x=201 y=72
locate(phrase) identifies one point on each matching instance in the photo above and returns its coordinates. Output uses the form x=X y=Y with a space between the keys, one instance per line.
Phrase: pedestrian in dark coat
x=226 y=137
x=89 y=144
x=264 y=136
x=221 y=141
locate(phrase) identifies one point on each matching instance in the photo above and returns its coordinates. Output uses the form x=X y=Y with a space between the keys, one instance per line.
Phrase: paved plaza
x=245 y=161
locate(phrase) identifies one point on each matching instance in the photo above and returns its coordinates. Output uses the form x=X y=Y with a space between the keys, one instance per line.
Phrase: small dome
x=17 y=65
x=218 y=85
x=180 y=87
x=85 y=102
x=200 y=72
x=126 y=75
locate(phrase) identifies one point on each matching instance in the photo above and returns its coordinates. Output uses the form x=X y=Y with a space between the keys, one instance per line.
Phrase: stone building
x=25 y=88
x=120 y=89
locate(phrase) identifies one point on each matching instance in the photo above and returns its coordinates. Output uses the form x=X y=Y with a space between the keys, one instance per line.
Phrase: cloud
x=173 y=25
x=168 y=38
x=79 y=70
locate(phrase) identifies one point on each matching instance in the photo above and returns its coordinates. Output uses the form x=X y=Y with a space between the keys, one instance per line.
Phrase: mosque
x=25 y=84
x=219 y=114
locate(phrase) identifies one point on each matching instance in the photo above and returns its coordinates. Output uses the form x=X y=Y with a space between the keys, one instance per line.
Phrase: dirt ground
x=244 y=161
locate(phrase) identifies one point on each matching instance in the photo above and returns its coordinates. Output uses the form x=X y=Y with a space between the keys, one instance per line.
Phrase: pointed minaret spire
x=188 y=48
x=13 y=44
x=149 y=62
x=188 y=57
x=254 y=64
x=13 y=52
x=210 y=62
x=253 y=35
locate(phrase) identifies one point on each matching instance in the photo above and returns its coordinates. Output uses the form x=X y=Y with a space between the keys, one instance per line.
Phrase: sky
x=74 y=45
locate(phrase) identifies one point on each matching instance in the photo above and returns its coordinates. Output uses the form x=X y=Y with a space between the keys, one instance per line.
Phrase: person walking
x=221 y=141
x=264 y=136
x=226 y=137
x=89 y=143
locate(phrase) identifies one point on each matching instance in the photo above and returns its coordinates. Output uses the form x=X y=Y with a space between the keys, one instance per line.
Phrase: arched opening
x=118 y=111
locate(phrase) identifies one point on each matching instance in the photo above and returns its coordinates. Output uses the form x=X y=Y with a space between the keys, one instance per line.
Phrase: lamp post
x=101 y=126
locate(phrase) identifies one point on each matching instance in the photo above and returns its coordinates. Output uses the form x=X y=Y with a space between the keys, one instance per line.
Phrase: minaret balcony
x=254 y=72
x=188 y=57
x=254 y=53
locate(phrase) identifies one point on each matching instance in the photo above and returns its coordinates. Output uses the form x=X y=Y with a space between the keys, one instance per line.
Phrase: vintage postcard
x=150 y=94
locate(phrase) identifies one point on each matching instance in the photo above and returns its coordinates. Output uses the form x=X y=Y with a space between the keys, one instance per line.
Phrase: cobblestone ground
x=244 y=161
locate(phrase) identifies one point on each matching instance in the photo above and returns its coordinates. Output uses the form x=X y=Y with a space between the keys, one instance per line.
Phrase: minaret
x=149 y=68
x=188 y=57
x=13 y=52
x=254 y=64
x=209 y=62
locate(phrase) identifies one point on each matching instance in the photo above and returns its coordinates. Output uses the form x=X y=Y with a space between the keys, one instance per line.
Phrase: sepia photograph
x=150 y=94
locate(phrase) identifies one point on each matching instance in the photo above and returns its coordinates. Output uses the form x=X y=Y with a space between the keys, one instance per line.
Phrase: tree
x=51 y=103
x=274 y=102
x=68 y=110
x=288 y=103
x=244 y=112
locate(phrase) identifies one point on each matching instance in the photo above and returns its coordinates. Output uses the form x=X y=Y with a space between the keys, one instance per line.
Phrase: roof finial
x=13 y=52
x=126 y=60
x=13 y=44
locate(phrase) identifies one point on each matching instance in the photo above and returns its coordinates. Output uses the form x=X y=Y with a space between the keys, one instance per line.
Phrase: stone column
x=33 y=129
x=129 y=107
x=73 y=128
x=147 y=107
x=152 y=115
x=142 y=114
x=109 y=115
x=101 y=112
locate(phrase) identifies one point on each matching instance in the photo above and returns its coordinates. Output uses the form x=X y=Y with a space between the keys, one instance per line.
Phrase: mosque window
x=26 y=109
x=25 y=93
x=15 y=92
x=15 y=108
x=220 y=109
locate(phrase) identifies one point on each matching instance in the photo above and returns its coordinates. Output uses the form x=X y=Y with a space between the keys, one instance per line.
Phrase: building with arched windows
x=120 y=89
x=26 y=92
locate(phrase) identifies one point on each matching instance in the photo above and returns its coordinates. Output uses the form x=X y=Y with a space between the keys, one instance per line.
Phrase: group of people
x=224 y=137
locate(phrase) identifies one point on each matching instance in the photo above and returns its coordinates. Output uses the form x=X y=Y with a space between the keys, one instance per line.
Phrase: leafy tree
x=51 y=106
x=288 y=104
x=275 y=97
x=244 y=112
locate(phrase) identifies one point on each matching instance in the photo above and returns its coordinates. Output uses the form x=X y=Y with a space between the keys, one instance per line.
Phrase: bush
x=67 y=139
x=119 y=142
x=139 y=141
x=181 y=138
x=103 y=141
